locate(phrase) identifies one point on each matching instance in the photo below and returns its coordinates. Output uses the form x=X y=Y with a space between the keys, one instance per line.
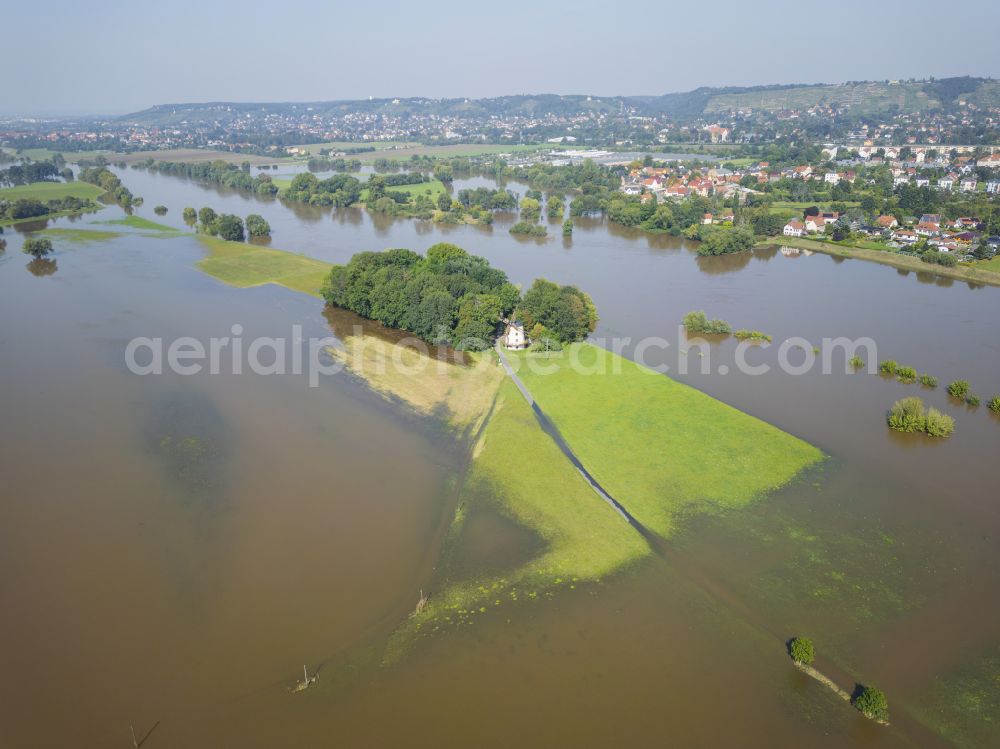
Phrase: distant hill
x=866 y=98
x=224 y=112
x=863 y=98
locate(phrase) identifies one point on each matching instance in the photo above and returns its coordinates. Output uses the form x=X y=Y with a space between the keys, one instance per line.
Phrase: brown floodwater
x=172 y=549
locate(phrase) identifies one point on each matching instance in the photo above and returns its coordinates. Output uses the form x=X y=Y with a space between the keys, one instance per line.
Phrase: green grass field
x=45 y=191
x=992 y=265
x=246 y=265
x=432 y=189
x=794 y=209
x=584 y=537
x=661 y=448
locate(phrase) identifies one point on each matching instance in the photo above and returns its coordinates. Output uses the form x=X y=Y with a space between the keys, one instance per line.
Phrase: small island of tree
x=37 y=247
x=190 y=216
x=160 y=210
x=872 y=703
x=802 y=651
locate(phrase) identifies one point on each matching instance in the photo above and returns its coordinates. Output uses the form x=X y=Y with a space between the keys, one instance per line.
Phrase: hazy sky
x=114 y=57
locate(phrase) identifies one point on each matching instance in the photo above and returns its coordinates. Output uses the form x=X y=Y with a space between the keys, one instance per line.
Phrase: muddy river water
x=174 y=548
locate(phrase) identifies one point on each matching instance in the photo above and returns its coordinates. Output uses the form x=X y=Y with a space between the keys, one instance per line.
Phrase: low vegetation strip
x=243 y=265
x=660 y=447
x=986 y=272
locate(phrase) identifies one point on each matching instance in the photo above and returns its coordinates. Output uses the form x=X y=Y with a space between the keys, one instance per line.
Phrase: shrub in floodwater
x=698 y=322
x=802 y=651
x=938 y=424
x=752 y=335
x=972 y=400
x=872 y=703
x=37 y=247
x=929 y=381
x=959 y=389
x=856 y=361
x=907 y=415
x=994 y=404
x=888 y=367
x=160 y=210
x=906 y=374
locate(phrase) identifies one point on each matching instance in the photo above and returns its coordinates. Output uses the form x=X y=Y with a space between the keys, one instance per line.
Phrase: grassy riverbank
x=661 y=448
x=984 y=273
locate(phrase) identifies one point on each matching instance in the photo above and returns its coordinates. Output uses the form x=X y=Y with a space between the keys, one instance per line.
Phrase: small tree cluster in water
x=910 y=415
x=698 y=322
x=802 y=651
x=454 y=297
x=871 y=701
x=228 y=226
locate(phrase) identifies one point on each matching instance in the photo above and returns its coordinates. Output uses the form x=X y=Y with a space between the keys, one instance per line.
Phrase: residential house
x=706 y=219
x=946 y=183
x=794 y=228
x=905 y=236
x=815 y=224
x=990 y=162
x=968 y=185
x=886 y=222
x=514 y=336
x=993 y=188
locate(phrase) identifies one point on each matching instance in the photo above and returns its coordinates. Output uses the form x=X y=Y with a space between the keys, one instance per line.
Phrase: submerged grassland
x=523 y=475
x=246 y=265
x=661 y=448
x=138 y=222
x=459 y=392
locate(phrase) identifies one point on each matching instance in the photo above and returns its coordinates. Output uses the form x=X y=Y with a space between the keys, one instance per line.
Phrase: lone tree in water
x=38 y=248
x=257 y=226
x=802 y=651
x=872 y=703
